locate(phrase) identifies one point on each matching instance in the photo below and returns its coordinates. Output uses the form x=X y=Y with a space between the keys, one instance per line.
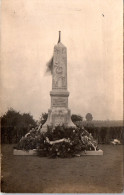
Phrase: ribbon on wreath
x=57 y=141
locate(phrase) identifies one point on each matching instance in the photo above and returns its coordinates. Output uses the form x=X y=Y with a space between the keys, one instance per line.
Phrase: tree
x=76 y=118
x=89 y=117
x=27 y=119
x=15 y=125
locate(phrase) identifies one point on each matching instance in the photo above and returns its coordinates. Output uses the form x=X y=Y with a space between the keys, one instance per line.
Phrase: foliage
x=60 y=141
x=75 y=118
x=14 y=125
x=104 y=135
x=30 y=141
x=89 y=117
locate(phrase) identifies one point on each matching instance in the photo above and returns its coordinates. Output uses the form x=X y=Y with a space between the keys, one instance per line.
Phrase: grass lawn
x=86 y=174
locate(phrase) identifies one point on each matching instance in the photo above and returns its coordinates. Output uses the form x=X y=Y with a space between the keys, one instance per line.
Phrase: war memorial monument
x=59 y=113
x=59 y=136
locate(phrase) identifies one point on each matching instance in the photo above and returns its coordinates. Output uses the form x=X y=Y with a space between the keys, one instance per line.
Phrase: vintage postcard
x=62 y=96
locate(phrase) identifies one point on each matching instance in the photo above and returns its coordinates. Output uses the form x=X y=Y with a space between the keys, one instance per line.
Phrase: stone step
x=93 y=153
x=25 y=153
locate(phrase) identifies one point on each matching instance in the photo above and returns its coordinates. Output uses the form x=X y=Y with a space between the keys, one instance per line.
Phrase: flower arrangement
x=59 y=141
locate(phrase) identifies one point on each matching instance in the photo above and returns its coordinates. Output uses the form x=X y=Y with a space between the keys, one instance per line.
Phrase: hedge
x=106 y=134
x=102 y=134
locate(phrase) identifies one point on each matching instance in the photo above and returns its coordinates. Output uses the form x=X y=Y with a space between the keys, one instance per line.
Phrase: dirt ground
x=86 y=174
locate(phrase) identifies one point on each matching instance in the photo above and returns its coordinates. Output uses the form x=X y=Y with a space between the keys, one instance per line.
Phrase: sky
x=92 y=31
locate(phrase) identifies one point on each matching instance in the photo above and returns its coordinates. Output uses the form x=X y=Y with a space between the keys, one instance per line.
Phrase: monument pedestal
x=59 y=113
x=92 y=153
x=58 y=116
x=24 y=152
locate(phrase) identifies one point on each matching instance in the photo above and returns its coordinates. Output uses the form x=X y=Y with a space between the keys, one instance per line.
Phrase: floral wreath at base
x=59 y=141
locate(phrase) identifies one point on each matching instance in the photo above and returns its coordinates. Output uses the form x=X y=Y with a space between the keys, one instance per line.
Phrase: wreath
x=59 y=141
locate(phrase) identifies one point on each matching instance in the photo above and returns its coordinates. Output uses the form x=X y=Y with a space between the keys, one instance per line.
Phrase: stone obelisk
x=59 y=113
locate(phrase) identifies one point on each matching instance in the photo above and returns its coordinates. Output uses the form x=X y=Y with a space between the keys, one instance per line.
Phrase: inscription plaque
x=59 y=102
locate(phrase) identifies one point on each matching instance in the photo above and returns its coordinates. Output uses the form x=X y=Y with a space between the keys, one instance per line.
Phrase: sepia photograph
x=62 y=96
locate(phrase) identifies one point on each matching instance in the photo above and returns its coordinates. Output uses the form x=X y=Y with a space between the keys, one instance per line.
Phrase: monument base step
x=25 y=153
x=34 y=153
x=91 y=153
